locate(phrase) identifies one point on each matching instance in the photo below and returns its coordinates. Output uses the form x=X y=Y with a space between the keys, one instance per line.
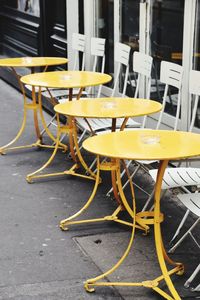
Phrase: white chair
x=142 y=66
x=121 y=59
x=122 y=52
x=192 y=202
x=184 y=176
x=78 y=46
x=61 y=95
x=171 y=75
x=98 y=54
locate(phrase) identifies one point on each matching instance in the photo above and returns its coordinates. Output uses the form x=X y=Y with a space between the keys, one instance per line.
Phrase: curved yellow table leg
x=79 y=155
x=90 y=283
x=171 y=262
x=35 y=115
x=30 y=176
x=68 y=221
x=4 y=148
x=52 y=137
x=71 y=139
x=114 y=186
x=112 y=217
x=161 y=254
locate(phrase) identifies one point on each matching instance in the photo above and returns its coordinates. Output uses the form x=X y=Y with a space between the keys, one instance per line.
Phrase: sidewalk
x=38 y=260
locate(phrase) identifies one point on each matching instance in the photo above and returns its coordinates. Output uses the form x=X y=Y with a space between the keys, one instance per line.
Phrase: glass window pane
x=29 y=6
x=130 y=23
x=105 y=29
x=130 y=35
x=166 y=44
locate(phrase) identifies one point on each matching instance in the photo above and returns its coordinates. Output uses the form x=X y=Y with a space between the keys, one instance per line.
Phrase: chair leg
x=180 y=226
x=196 y=289
x=194 y=239
x=151 y=197
x=49 y=124
x=93 y=163
x=172 y=249
x=191 y=278
x=148 y=201
x=82 y=136
x=131 y=176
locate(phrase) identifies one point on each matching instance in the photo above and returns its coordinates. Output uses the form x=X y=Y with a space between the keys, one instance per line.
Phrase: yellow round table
x=67 y=80
x=112 y=108
x=143 y=145
x=32 y=63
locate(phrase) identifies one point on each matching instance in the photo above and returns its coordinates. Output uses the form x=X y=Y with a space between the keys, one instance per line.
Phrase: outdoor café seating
x=149 y=145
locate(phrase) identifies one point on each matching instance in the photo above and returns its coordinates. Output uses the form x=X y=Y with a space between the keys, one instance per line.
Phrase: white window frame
x=89 y=29
x=188 y=50
x=72 y=26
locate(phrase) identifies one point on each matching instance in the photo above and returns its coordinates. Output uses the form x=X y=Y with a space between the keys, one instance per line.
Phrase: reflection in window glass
x=130 y=23
x=166 y=44
x=27 y=6
x=105 y=29
x=130 y=35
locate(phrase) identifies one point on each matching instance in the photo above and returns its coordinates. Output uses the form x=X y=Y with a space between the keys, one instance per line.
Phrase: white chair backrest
x=78 y=44
x=171 y=74
x=98 y=46
x=121 y=57
x=142 y=65
x=194 y=89
x=98 y=51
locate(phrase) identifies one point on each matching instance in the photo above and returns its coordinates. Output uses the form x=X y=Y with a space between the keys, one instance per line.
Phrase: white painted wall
x=188 y=50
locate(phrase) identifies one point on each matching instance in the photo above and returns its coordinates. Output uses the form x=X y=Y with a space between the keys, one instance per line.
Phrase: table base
x=141 y=220
x=71 y=172
x=36 y=107
x=152 y=284
x=70 y=130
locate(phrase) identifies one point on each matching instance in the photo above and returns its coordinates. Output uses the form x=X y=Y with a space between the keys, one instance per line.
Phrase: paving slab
x=140 y=265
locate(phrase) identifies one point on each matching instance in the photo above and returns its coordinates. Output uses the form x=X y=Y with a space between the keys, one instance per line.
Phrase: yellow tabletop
x=108 y=108
x=32 y=61
x=145 y=144
x=66 y=79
